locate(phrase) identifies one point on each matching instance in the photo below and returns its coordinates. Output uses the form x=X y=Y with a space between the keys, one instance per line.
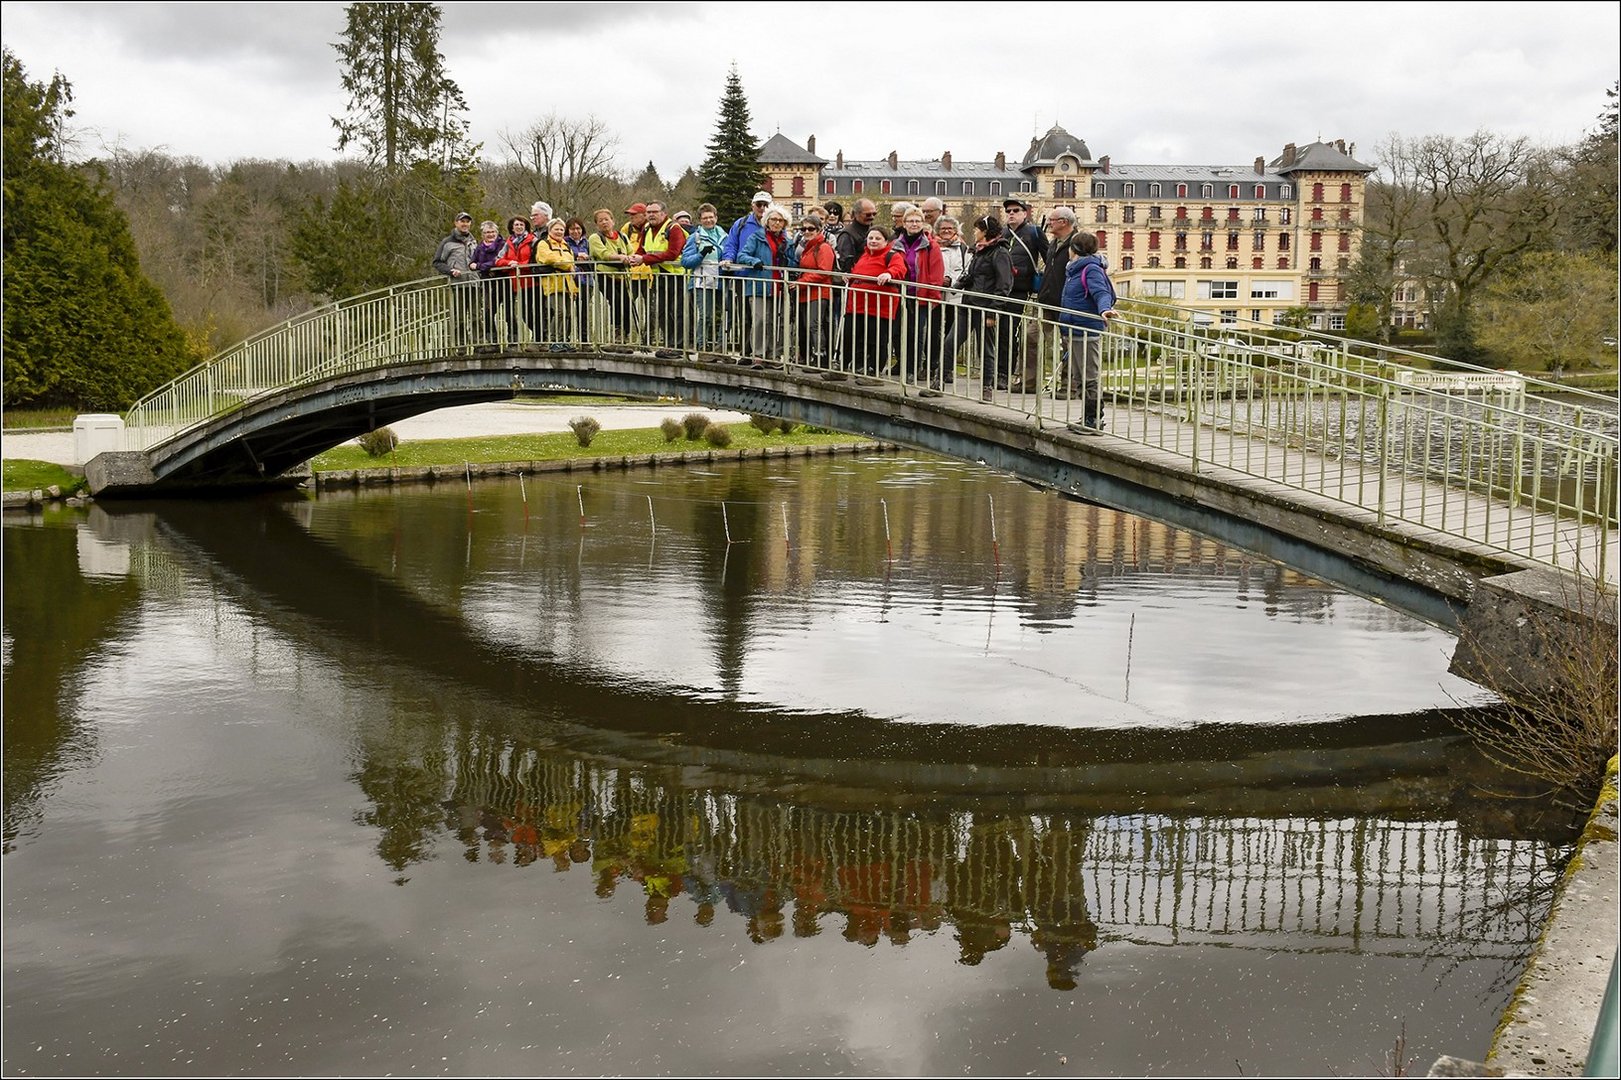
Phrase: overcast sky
x=1165 y=83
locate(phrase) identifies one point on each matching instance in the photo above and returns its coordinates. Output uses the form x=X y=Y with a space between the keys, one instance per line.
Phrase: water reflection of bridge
x=1066 y=883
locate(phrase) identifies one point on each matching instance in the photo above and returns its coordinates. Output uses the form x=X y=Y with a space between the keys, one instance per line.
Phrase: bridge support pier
x=1537 y=634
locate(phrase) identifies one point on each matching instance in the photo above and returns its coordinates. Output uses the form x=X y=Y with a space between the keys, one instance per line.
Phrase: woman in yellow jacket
x=557 y=288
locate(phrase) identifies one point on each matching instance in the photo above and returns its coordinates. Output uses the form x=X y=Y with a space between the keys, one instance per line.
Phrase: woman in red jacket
x=920 y=299
x=811 y=288
x=869 y=307
x=515 y=260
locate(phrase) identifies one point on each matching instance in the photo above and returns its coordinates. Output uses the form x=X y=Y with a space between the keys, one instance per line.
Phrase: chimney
x=1339 y=144
x=1104 y=161
x=1001 y=161
x=945 y=161
x=810 y=145
x=1288 y=155
x=1260 y=166
x=838 y=161
x=894 y=160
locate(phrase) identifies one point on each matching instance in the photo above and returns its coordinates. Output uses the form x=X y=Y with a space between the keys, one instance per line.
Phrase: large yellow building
x=1237 y=241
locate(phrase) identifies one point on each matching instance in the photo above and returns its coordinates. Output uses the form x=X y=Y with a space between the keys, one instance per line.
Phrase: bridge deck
x=1347 y=488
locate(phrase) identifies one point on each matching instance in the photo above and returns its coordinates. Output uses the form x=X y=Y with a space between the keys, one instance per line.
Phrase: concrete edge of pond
x=429 y=474
x=1546 y=1029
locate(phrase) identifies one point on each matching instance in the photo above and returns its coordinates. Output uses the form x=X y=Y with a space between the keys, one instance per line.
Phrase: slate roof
x=781 y=150
x=1320 y=157
x=1057 y=142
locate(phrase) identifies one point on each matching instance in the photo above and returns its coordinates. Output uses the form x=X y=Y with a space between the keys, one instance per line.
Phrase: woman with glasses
x=869 y=307
x=763 y=258
x=485 y=257
x=608 y=250
x=954 y=257
x=514 y=263
x=920 y=298
x=574 y=234
x=987 y=303
x=555 y=260
x=701 y=257
x=812 y=289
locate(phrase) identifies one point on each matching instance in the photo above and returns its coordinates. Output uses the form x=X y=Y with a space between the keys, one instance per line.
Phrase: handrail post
x=1384 y=446
x=1195 y=360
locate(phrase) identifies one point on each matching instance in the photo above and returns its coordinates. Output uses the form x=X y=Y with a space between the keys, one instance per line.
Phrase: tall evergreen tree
x=403 y=107
x=731 y=173
x=84 y=328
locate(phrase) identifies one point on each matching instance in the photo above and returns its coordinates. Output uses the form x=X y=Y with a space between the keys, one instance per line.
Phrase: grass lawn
x=556 y=447
x=33 y=419
x=25 y=475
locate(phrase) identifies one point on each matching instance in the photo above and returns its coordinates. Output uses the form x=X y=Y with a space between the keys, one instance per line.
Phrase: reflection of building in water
x=1065 y=884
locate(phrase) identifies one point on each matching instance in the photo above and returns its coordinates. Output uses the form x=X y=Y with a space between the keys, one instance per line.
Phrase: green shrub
x=764 y=424
x=718 y=435
x=671 y=427
x=585 y=429
x=786 y=426
x=695 y=423
x=379 y=442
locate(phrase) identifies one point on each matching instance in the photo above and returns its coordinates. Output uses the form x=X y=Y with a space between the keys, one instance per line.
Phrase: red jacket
x=867 y=297
x=519 y=253
x=816 y=265
x=931 y=269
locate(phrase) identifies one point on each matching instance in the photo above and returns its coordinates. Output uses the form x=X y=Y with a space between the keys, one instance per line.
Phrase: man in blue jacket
x=737 y=238
x=1088 y=304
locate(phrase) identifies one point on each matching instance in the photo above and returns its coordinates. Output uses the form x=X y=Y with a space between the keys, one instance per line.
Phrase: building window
x=1255 y=263
x=1024 y=186
x=1232 y=213
x=1207 y=214
x=1181 y=213
x=1345 y=193
x=1127 y=263
x=914 y=187
x=799 y=210
x=1167 y=290
x=1285 y=215
x=996 y=187
x=939 y=187
x=1272 y=290
x=1336 y=322
x=1129 y=190
x=1286 y=191
x=1218 y=290
x=1342 y=264
x=1101 y=213
x=1232 y=241
x=1181 y=263
x=1181 y=191
x=1316 y=241
x=1153 y=191
x=827 y=187
x=967 y=187
x=1232 y=191
x=1180 y=243
x=1207 y=190
x=1259 y=214
x=1153 y=262
x=1283 y=262
x=1283 y=241
x=1229 y=315
x=1128 y=239
x=1207 y=241
x=799 y=187
x=1345 y=241
x=1099 y=191
x=1066 y=189
x=1153 y=241
x=1315 y=266
x=1260 y=191
x=883 y=186
x=1317 y=193
x=1204 y=263
x=855 y=187
x=1103 y=239
x=1154 y=213
x=1128 y=213
x=1345 y=215
x=1258 y=241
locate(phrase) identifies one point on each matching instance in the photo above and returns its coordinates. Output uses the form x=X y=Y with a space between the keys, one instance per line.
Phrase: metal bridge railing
x=1514 y=464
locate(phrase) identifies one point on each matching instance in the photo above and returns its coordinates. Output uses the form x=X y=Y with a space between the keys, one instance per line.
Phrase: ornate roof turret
x=1053 y=145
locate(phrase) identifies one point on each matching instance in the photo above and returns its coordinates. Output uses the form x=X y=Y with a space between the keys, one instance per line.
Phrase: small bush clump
x=764 y=424
x=379 y=442
x=585 y=429
x=695 y=423
x=718 y=435
x=786 y=426
x=671 y=428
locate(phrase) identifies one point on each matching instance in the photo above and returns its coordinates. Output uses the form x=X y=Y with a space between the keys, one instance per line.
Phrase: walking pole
x=523 y=492
x=889 y=548
x=469 y=466
x=726 y=524
x=579 y=494
x=996 y=551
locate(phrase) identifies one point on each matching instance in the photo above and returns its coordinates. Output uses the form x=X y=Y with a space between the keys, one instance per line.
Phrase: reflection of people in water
x=982 y=893
x=1064 y=931
x=807 y=878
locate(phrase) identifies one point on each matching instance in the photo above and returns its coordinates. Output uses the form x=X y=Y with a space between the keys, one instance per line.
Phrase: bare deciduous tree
x=568 y=163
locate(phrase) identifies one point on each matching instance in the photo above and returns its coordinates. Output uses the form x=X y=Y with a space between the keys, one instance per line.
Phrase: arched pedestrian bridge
x=1358 y=464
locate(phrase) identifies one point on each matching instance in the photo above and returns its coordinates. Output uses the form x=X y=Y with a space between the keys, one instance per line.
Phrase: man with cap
x=636 y=276
x=454 y=259
x=659 y=251
x=737 y=237
x=1027 y=251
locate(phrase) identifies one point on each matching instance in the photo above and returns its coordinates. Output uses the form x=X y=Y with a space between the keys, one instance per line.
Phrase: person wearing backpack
x=1088 y=304
x=1027 y=252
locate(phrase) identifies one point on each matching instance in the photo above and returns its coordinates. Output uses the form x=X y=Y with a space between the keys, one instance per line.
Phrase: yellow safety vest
x=656 y=243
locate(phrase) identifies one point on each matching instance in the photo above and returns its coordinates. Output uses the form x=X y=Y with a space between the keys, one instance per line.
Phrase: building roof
x=909 y=170
x=1319 y=157
x=1053 y=145
x=781 y=150
x=1183 y=174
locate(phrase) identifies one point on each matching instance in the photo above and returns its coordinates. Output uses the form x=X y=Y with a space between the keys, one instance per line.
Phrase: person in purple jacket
x=490 y=283
x=1088 y=305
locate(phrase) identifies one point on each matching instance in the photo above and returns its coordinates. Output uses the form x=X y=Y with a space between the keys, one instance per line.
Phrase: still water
x=872 y=765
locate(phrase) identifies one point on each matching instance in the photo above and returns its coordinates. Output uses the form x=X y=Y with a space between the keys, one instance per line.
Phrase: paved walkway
x=461 y=421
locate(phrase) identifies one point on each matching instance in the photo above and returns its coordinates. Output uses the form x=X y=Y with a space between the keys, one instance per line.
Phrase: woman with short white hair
x=762 y=258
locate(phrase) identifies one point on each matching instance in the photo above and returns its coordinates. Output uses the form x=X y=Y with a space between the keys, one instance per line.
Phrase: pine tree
x=84 y=328
x=404 y=109
x=731 y=173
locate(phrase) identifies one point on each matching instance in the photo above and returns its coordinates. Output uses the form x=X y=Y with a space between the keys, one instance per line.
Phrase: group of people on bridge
x=847 y=296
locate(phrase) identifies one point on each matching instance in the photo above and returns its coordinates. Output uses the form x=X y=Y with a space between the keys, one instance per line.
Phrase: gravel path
x=493 y=418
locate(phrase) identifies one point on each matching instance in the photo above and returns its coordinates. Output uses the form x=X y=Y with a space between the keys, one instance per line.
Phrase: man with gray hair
x=932 y=208
x=1054 y=341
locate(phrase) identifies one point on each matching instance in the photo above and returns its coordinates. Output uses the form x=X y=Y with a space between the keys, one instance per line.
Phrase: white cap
x=760 y=197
